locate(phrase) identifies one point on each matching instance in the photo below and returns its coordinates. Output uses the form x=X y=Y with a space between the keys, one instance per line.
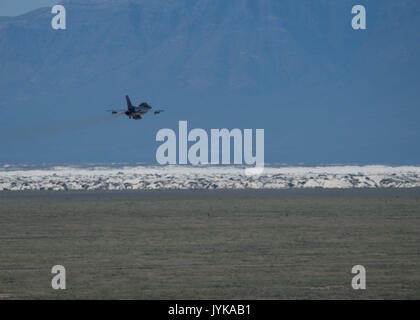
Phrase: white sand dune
x=148 y=177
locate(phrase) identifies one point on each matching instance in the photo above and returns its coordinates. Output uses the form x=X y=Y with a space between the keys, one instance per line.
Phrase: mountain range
x=323 y=92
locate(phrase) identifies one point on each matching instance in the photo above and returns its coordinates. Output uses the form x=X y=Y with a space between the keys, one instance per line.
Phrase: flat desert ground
x=215 y=244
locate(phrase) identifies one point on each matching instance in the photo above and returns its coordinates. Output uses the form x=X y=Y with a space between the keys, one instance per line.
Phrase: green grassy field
x=209 y=247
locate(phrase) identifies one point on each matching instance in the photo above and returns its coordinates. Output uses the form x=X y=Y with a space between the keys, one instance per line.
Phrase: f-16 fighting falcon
x=135 y=112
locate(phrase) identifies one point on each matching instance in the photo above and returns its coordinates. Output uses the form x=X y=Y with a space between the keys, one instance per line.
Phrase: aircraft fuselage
x=134 y=112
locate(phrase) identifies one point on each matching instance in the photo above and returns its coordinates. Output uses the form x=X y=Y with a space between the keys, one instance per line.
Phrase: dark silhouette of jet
x=135 y=113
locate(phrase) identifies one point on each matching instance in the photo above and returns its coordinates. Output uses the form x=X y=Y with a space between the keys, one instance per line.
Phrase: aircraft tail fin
x=129 y=105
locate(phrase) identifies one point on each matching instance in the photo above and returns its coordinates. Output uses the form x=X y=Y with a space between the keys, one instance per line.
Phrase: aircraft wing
x=158 y=111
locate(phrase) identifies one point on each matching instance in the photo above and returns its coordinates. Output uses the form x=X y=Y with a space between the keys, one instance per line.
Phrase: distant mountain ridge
x=197 y=44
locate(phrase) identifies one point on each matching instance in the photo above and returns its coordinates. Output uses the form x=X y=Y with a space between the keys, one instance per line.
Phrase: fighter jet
x=133 y=112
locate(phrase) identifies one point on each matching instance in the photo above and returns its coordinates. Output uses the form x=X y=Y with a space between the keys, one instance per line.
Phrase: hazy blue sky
x=323 y=92
x=17 y=7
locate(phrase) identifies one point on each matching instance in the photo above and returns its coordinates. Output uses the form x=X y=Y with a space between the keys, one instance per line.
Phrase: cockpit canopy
x=145 y=105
